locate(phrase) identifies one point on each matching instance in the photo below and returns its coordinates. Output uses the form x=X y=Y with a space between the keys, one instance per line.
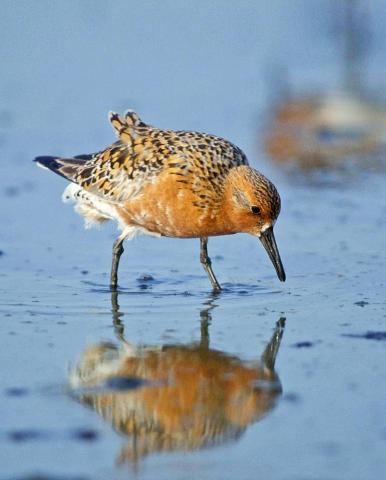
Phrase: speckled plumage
x=171 y=183
x=197 y=161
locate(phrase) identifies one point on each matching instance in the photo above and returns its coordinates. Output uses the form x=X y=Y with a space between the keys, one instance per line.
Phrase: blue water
x=203 y=66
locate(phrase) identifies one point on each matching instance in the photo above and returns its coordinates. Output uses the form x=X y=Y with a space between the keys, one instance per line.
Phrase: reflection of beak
x=267 y=238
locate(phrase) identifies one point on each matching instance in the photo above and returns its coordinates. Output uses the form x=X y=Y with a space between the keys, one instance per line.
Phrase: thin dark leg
x=207 y=264
x=117 y=252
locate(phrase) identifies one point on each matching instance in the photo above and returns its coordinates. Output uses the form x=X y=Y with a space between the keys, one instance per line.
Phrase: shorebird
x=170 y=183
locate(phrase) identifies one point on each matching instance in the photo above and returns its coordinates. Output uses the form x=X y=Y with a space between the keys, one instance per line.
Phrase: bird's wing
x=119 y=172
x=193 y=156
x=210 y=158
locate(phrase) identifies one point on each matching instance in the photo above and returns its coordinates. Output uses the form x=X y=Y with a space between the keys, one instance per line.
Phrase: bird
x=170 y=183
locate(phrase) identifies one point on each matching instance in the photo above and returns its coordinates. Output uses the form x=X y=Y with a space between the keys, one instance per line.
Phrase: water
x=195 y=67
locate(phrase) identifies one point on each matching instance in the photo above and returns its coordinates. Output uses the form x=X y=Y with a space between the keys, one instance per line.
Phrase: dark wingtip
x=47 y=162
x=44 y=160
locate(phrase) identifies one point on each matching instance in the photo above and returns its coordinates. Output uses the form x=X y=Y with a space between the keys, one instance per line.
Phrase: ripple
x=370 y=335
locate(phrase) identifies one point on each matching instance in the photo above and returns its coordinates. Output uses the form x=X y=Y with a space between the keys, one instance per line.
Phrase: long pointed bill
x=267 y=238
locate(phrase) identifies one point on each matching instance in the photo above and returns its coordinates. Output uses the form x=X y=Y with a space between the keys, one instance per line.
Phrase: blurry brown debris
x=188 y=397
x=319 y=131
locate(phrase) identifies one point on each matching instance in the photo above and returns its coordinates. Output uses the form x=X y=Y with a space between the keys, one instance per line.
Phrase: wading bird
x=170 y=183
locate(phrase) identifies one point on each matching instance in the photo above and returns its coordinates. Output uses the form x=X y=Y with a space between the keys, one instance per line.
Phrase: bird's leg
x=117 y=252
x=207 y=264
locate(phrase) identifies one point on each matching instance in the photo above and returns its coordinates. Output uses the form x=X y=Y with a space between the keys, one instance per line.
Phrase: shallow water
x=328 y=421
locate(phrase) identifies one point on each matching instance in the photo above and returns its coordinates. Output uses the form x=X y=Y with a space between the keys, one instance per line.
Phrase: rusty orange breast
x=171 y=208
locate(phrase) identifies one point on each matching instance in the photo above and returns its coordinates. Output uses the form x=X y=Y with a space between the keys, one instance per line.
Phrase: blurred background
x=300 y=87
x=213 y=66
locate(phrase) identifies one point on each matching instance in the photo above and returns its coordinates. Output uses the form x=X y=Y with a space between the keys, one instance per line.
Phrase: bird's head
x=254 y=205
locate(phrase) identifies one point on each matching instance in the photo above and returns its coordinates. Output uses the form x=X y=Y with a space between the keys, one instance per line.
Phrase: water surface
x=194 y=67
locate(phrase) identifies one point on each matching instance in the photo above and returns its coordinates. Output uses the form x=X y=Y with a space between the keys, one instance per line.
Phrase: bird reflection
x=175 y=397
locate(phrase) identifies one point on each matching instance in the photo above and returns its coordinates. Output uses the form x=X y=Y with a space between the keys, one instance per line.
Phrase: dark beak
x=267 y=238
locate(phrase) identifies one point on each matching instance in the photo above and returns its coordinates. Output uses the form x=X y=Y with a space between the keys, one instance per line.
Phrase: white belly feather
x=95 y=211
x=92 y=208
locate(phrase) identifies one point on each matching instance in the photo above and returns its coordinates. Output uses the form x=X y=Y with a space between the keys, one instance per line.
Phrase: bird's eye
x=255 y=209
